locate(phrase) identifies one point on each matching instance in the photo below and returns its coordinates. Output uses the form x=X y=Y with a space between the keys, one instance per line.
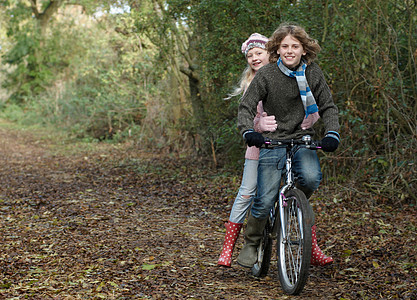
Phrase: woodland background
x=156 y=73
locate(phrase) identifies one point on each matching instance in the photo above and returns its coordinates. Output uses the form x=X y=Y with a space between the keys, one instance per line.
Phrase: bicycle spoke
x=293 y=243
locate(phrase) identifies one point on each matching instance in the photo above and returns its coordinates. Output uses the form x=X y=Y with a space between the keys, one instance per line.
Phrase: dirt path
x=111 y=223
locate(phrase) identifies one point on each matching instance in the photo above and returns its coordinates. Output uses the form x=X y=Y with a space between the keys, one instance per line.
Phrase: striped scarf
x=309 y=103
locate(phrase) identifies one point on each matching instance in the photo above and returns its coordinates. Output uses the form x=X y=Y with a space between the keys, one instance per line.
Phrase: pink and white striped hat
x=256 y=40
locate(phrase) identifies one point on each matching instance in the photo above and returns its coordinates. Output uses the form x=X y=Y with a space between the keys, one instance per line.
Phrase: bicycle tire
x=294 y=253
x=261 y=267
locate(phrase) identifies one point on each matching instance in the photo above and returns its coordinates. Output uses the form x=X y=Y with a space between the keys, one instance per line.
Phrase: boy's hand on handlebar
x=330 y=142
x=254 y=138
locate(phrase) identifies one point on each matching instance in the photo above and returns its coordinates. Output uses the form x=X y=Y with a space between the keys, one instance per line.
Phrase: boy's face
x=257 y=57
x=290 y=51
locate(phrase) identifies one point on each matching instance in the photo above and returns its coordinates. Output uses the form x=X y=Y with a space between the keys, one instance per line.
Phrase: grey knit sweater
x=281 y=97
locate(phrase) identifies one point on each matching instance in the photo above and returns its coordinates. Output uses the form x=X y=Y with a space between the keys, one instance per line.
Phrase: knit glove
x=266 y=123
x=254 y=138
x=330 y=142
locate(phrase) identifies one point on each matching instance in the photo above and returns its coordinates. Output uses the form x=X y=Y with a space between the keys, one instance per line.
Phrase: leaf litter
x=114 y=222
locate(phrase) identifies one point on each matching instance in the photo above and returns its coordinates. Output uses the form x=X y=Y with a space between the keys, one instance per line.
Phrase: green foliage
x=221 y=63
x=27 y=75
x=369 y=57
x=104 y=100
x=221 y=59
x=99 y=86
x=13 y=113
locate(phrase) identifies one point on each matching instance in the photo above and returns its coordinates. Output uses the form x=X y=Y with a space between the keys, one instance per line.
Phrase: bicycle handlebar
x=305 y=140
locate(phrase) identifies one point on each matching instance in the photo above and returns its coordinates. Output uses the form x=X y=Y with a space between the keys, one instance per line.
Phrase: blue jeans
x=305 y=165
x=247 y=188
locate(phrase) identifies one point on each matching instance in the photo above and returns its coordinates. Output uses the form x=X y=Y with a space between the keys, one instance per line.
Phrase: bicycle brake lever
x=267 y=142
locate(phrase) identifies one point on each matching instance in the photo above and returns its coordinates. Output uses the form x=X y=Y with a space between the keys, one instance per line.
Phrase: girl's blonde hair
x=310 y=45
x=245 y=80
x=255 y=40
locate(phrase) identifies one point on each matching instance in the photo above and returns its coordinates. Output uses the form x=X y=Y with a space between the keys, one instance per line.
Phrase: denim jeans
x=305 y=165
x=247 y=188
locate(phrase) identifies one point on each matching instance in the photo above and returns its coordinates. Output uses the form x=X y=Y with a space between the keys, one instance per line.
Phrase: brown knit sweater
x=281 y=97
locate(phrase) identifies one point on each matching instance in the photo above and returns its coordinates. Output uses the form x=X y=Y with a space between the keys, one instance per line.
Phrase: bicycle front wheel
x=294 y=248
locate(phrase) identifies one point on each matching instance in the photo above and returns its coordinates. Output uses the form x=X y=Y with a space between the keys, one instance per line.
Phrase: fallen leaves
x=123 y=225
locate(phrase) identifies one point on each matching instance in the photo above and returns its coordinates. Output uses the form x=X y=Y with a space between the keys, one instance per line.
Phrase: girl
x=293 y=89
x=256 y=56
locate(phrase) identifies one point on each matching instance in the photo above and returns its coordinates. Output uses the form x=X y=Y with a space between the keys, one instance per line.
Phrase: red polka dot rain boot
x=232 y=233
x=317 y=256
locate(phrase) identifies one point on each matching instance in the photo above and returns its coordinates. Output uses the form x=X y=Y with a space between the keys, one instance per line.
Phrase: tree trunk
x=45 y=16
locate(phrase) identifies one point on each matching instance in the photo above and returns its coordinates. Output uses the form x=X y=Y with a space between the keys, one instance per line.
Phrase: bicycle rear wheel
x=294 y=251
x=261 y=267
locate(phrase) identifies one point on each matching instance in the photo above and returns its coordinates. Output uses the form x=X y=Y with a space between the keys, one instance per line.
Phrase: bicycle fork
x=289 y=184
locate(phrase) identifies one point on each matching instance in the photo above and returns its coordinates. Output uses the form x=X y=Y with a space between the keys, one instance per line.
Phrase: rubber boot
x=253 y=235
x=232 y=233
x=317 y=256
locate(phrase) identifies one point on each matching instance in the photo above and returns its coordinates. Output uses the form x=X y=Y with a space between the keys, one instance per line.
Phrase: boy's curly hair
x=310 y=45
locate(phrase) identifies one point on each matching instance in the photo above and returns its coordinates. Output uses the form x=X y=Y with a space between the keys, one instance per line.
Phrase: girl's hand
x=266 y=123
x=309 y=121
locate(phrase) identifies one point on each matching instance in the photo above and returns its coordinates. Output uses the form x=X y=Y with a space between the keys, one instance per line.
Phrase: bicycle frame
x=288 y=185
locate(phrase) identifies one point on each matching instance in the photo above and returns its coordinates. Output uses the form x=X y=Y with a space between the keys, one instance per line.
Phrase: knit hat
x=256 y=40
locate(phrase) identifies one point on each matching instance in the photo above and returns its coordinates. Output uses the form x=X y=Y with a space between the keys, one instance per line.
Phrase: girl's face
x=290 y=51
x=257 y=58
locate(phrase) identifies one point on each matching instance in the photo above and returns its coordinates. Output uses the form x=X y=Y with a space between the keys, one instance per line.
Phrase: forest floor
x=105 y=221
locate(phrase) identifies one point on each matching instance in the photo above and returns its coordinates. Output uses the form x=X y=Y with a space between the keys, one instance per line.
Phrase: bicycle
x=289 y=222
